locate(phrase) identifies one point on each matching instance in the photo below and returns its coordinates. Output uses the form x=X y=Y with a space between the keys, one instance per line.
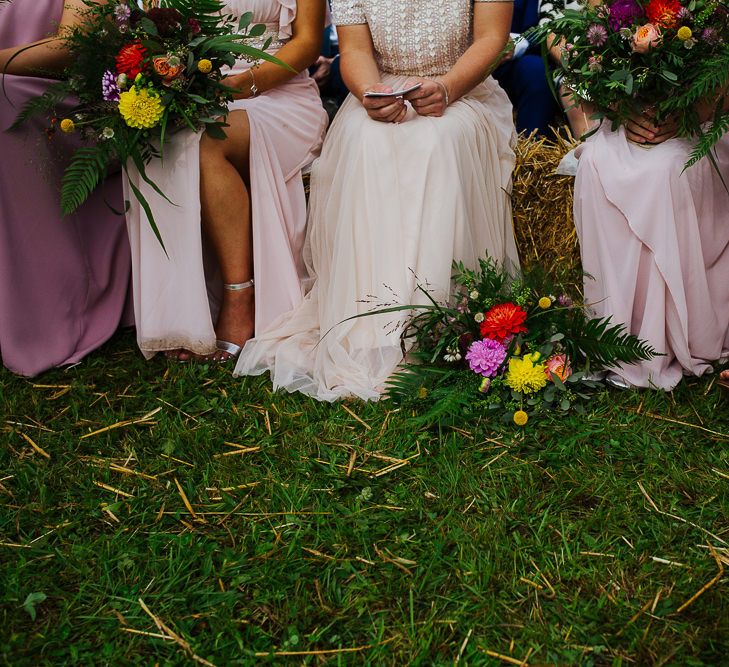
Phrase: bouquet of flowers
x=660 y=57
x=138 y=76
x=508 y=345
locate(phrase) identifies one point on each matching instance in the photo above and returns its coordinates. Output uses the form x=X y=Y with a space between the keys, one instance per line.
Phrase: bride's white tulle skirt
x=391 y=207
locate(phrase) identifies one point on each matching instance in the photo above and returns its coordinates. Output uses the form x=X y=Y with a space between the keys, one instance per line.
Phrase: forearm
x=359 y=72
x=474 y=66
x=44 y=58
x=357 y=63
x=299 y=54
x=491 y=26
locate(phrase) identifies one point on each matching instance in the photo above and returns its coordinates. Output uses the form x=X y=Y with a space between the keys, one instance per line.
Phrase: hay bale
x=542 y=204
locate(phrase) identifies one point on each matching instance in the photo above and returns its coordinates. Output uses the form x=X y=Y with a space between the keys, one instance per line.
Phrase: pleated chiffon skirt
x=391 y=207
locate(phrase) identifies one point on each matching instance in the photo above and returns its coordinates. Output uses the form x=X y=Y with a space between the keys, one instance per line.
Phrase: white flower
x=474 y=294
x=479 y=317
x=552 y=298
x=121 y=81
x=451 y=358
x=107 y=133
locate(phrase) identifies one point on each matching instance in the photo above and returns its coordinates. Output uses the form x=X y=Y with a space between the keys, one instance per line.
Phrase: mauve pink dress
x=63 y=281
x=175 y=299
x=656 y=243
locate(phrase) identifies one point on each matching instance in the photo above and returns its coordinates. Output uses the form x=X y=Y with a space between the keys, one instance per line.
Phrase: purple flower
x=122 y=14
x=486 y=357
x=597 y=34
x=623 y=13
x=711 y=36
x=109 y=88
x=684 y=14
x=564 y=300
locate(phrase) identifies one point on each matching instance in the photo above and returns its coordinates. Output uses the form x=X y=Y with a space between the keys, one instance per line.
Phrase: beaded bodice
x=412 y=37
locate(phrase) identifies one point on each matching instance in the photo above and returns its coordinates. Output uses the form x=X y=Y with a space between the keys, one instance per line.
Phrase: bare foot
x=236 y=321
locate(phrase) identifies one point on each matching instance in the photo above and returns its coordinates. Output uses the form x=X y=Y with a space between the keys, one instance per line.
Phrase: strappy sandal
x=231 y=349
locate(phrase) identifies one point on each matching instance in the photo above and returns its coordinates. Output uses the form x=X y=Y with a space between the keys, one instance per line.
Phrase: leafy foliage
x=179 y=70
x=84 y=173
x=553 y=338
x=605 y=64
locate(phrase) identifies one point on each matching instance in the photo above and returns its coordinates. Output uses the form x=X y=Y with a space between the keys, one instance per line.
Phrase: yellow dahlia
x=521 y=418
x=67 y=125
x=142 y=109
x=205 y=66
x=684 y=33
x=526 y=375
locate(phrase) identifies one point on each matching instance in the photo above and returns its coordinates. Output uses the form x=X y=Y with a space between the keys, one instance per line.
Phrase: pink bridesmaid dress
x=655 y=241
x=64 y=282
x=175 y=297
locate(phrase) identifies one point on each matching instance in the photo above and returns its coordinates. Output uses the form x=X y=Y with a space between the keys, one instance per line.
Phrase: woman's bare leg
x=226 y=216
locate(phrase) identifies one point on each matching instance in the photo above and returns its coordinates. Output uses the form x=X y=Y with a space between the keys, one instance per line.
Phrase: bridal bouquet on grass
x=656 y=56
x=138 y=76
x=509 y=347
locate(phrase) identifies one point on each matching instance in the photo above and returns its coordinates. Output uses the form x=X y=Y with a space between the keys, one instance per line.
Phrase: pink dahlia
x=486 y=357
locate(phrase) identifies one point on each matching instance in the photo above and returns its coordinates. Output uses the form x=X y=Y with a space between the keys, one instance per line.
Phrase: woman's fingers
x=431 y=110
x=644 y=134
x=387 y=113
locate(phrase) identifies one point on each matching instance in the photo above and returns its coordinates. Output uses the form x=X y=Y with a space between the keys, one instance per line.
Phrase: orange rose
x=646 y=37
x=169 y=71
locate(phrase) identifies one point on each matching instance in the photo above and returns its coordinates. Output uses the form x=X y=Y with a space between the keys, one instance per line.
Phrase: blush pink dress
x=64 y=281
x=175 y=296
x=655 y=241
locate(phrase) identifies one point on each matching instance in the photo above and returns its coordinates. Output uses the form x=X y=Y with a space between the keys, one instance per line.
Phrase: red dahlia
x=663 y=13
x=503 y=320
x=130 y=60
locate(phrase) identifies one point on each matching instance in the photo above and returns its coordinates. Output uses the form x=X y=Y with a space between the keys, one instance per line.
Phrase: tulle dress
x=175 y=298
x=64 y=281
x=655 y=242
x=391 y=207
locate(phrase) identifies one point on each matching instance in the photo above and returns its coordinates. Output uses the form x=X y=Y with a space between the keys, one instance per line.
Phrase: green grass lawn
x=167 y=513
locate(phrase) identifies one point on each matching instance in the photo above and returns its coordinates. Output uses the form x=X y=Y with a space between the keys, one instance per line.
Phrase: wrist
x=441 y=81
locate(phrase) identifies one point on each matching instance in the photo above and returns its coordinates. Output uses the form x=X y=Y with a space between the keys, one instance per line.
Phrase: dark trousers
x=525 y=82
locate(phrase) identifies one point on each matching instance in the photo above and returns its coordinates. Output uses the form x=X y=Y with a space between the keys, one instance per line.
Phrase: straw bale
x=542 y=204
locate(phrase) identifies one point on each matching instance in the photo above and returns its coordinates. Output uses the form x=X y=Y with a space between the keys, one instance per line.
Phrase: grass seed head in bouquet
x=660 y=57
x=505 y=346
x=140 y=75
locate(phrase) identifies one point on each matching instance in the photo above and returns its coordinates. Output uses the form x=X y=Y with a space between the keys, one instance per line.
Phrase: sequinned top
x=412 y=37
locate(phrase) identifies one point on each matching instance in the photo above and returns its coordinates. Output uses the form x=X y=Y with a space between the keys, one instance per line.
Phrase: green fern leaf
x=86 y=170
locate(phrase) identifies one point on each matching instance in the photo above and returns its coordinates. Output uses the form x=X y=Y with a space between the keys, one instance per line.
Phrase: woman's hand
x=643 y=129
x=431 y=99
x=384 y=109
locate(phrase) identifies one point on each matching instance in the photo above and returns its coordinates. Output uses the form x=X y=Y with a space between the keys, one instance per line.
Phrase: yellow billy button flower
x=521 y=418
x=545 y=302
x=205 y=66
x=142 y=109
x=67 y=125
x=684 y=33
